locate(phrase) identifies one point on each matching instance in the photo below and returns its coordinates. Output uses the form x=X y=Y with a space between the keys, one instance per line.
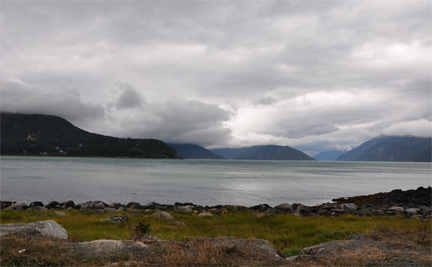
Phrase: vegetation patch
x=286 y=232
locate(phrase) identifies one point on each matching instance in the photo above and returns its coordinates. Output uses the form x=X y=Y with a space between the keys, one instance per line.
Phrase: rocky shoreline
x=413 y=204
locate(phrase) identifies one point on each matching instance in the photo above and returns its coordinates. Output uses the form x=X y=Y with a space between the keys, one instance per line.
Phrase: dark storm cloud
x=129 y=97
x=307 y=73
x=178 y=121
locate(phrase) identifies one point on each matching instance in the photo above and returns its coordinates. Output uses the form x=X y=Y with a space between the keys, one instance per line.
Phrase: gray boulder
x=163 y=215
x=18 y=207
x=107 y=248
x=36 y=204
x=364 y=212
x=48 y=228
x=349 y=207
x=183 y=208
x=412 y=211
x=397 y=209
x=285 y=207
x=38 y=208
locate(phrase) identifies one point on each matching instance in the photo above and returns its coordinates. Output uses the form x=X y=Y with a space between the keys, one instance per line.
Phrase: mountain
x=423 y=156
x=190 y=151
x=269 y=152
x=329 y=155
x=51 y=135
x=390 y=148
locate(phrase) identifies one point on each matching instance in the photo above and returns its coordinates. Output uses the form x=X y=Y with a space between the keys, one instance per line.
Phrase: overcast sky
x=314 y=75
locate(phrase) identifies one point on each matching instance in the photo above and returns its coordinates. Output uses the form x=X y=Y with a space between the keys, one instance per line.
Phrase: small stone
x=205 y=214
x=291 y=259
x=117 y=219
x=339 y=211
x=417 y=216
x=397 y=209
x=59 y=213
x=178 y=223
x=163 y=215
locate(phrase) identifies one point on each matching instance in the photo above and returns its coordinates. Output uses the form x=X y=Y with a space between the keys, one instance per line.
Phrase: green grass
x=286 y=232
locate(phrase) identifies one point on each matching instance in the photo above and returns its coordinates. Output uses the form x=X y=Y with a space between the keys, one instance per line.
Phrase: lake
x=203 y=182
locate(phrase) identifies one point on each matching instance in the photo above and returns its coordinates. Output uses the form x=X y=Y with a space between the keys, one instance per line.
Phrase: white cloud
x=420 y=127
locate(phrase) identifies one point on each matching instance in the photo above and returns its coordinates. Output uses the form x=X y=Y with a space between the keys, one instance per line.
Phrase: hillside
x=269 y=152
x=390 y=148
x=190 y=151
x=50 y=135
x=331 y=155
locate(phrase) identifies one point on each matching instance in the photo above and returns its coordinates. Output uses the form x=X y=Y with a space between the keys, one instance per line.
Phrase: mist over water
x=203 y=182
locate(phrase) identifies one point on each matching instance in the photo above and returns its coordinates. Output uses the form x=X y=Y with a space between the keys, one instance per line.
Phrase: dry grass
x=393 y=249
x=26 y=251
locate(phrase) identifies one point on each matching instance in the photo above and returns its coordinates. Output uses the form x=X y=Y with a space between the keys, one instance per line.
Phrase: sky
x=313 y=75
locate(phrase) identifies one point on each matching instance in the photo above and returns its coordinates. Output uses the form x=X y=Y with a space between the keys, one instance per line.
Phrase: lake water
x=203 y=182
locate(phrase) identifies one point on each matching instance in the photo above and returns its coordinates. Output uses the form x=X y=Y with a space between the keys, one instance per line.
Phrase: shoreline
x=410 y=203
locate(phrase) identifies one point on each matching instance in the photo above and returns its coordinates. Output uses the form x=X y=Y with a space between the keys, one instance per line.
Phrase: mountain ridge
x=263 y=152
x=390 y=148
x=192 y=151
x=38 y=134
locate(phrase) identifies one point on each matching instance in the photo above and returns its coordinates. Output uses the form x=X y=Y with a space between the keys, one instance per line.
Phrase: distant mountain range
x=391 y=148
x=190 y=151
x=269 y=152
x=51 y=135
x=331 y=155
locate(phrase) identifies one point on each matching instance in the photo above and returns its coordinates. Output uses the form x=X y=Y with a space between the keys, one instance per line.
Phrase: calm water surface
x=203 y=182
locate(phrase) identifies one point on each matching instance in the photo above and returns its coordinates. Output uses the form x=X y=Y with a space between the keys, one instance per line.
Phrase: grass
x=286 y=232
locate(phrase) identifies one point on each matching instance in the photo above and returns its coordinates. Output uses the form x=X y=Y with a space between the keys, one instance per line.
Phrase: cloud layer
x=316 y=75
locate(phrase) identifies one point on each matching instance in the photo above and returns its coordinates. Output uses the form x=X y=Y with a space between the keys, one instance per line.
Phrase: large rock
x=285 y=207
x=163 y=215
x=351 y=207
x=36 y=204
x=107 y=248
x=48 y=228
x=18 y=207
